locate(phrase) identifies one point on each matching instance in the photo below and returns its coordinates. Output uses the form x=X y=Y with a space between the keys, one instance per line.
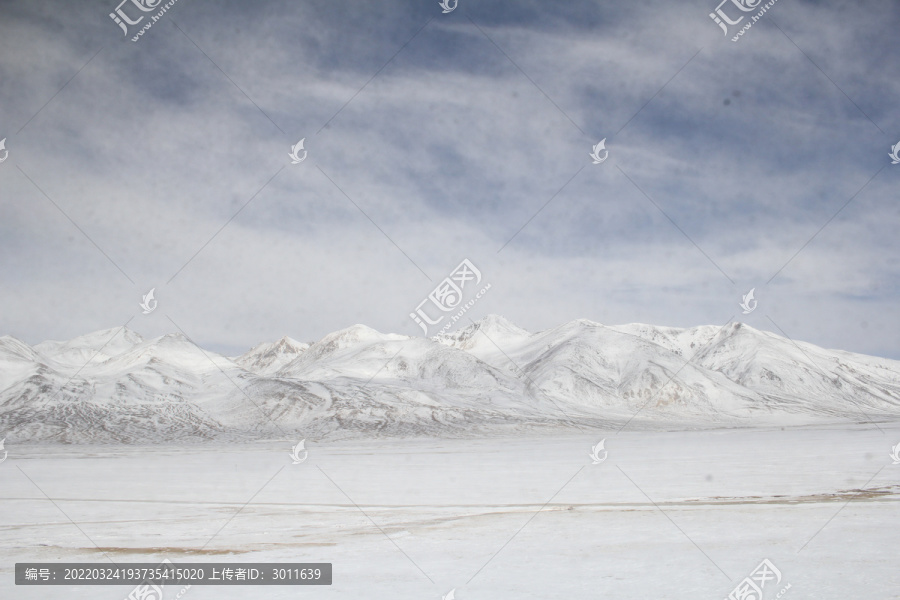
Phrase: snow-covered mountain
x=491 y=377
x=268 y=357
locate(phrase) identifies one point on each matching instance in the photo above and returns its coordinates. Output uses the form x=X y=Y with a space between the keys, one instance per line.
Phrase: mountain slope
x=267 y=358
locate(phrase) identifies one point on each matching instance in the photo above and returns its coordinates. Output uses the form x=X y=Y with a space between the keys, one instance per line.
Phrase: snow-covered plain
x=459 y=462
x=666 y=515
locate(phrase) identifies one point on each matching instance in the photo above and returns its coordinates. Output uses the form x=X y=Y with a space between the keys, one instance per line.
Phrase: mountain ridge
x=492 y=376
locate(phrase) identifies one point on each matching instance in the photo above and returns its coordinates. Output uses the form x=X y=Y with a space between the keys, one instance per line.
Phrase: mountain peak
x=495 y=328
x=109 y=342
x=496 y=325
x=354 y=335
x=266 y=358
x=288 y=345
x=15 y=347
x=357 y=333
x=289 y=341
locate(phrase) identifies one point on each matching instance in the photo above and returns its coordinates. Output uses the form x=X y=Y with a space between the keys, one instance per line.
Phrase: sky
x=434 y=137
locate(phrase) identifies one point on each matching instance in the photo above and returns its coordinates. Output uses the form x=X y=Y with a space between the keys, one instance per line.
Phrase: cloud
x=471 y=133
